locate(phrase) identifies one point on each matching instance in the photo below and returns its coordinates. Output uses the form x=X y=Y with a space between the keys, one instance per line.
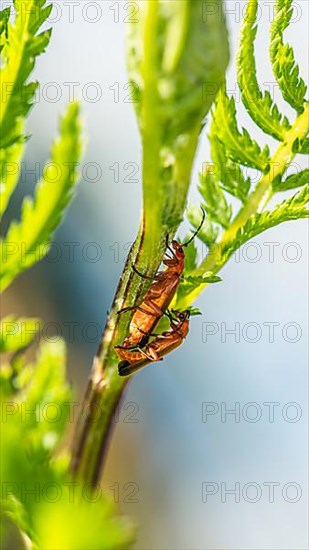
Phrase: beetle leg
x=149 y=357
x=126 y=348
x=169 y=248
x=151 y=354
x=125 y=309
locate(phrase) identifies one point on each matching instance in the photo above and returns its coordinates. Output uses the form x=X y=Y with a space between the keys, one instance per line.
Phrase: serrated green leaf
x=29 y=240
x=227 y=173
x=36 y=418
x=284 y=66
x=190 y=283
x=18 y=54
x=208 y=232
x=46 y=387
x=208 y=277
x=239 y=147
x=17 y=333
x=10 y=162
x=36 y=415
x=305 y=147
x=301 y=146
x=291 y=182
x=259 y=105
x=4 y=19
x=292 y=208
x=214 y=202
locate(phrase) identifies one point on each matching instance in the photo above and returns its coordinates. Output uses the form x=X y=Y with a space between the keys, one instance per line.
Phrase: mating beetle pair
x=135 y=352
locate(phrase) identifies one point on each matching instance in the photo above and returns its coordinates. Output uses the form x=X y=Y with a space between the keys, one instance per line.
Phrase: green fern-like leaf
x=16 y=334
x=28 y=240
x=215 y=202
x=20 y=44
x=259 y=105
x=35 y=416
x=301 y=146
x=202 y=279
x=228 y=173
x=10 y=158
x=291 y=182
x=4 y=19
x=282 y=57
x=19 y=52
x=190 y=283
x=304 y=149
x=239 y=147
x=292 y=208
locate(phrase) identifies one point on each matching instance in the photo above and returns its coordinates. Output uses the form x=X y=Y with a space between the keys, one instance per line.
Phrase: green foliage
x=231 y=150
x=293 y=208
x=292 y=181
x=304 y=147
x=215 y=202
x=28 y=240
x=228 y=174
x=20 y=45
x=202 y=279
x=239 y=147
x=35 y=397
x=16 y=334
x=58 y=513
x=259 y=105
x=4 y=19
x=20 y=49
x=282 y=57
x=9 y=172
x=190 y=283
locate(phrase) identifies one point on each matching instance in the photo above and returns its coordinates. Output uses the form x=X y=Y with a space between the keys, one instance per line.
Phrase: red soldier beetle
x=159 y=295
x=163 y=344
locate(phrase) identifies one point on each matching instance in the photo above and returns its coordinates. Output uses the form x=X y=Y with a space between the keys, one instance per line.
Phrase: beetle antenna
x=198 y=229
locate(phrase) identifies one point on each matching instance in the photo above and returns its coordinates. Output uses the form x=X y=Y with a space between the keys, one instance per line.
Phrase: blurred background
x=189 y=473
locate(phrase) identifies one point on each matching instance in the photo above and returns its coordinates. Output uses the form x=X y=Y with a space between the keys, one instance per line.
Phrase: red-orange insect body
x=156 y=350
x=158 y=296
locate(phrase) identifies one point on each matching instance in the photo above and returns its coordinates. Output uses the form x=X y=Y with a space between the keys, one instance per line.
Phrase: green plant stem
x=256 y=202
x=105 y=386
